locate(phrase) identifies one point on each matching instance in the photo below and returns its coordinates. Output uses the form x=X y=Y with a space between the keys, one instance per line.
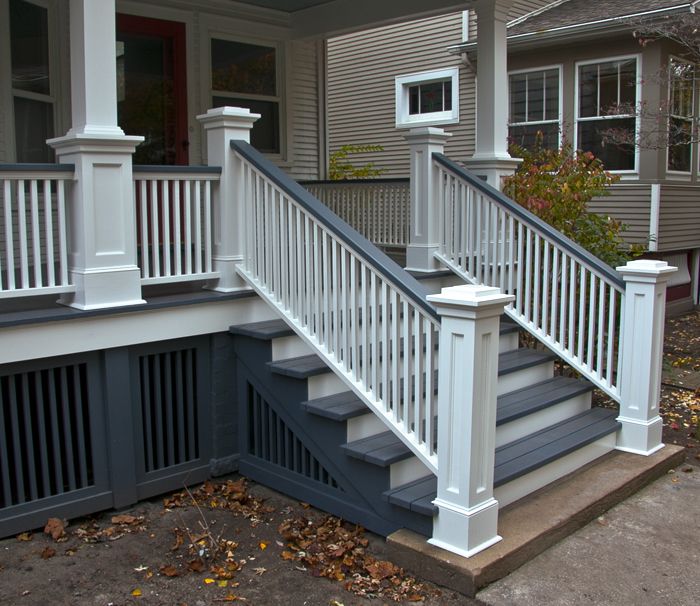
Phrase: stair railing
x=363 y=314
x=564 y=296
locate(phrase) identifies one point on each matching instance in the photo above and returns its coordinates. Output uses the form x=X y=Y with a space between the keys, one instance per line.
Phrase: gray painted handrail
x=577 y=251
x=359 y=244
x=37 y=167
x=378 y=181
x=177 y=169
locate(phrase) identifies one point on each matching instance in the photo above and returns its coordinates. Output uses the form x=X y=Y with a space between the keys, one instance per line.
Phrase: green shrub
x=339 y=167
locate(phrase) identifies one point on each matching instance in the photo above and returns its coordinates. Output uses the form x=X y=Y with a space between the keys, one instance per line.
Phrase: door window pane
x=237 y=67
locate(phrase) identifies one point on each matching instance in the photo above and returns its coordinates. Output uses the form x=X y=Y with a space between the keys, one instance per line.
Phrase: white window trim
x=680 y=174
x=281 y=70
x=403 y=83
x=560 y=110
x=638 y=94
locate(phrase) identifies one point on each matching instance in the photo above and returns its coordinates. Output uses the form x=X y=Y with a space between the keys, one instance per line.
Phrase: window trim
x=683 y=174
x=638 y=97
x=560 y=110
x=280 y=75
x=402 y=85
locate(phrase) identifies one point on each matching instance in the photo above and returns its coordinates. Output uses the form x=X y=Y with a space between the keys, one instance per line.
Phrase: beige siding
x=679 y=217
x=630 y=204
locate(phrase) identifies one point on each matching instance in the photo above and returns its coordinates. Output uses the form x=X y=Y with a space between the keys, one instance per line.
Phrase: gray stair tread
x=522 y=456
x=519 y=359
x=338 y=407
x=299 y=368
x=382 y=449
x=416 y=496
x=269 y=329
x=521 y=402
x=508 y=326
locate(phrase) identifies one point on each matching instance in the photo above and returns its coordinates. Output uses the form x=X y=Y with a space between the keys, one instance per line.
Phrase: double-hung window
x=606 y=102
x=428 y=98
x=246 y=75
x=535 y=107
x=681 y=113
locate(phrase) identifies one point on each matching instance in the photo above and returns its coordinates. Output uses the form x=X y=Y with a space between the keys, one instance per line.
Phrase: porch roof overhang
x=325 y=18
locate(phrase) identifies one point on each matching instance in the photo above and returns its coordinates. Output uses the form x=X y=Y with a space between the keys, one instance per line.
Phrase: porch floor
x=570 y=504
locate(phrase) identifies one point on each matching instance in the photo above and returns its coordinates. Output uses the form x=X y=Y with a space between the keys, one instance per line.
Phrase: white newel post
x=102 y=218
x=642 y=355
x=222 y=125
x=424 y=229
x=467 y=519
x=491 y=159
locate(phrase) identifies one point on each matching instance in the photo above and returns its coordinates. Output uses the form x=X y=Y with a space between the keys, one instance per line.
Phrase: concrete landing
x=534 y=524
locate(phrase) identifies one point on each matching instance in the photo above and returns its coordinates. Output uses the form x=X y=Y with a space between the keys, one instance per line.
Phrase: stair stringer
x=374 y=405
x=358 y=496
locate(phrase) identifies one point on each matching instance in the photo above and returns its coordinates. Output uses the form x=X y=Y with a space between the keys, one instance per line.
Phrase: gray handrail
x=37 y=167
x=581 y=254
x=378 y=181
x=177 y=169
x=359 y=244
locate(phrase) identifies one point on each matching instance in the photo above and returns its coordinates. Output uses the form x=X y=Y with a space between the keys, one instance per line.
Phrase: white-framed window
x=534 y=107
x=607 y=96
x=247 y=74
x=681 y=105
x=428 y=98
x=32 y=87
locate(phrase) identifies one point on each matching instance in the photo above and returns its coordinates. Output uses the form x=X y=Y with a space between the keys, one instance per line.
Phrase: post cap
x=469 y=295
x=646 y=268
x=228 y=116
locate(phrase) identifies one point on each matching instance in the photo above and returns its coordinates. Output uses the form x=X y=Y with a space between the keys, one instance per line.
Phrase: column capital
x=427 y=135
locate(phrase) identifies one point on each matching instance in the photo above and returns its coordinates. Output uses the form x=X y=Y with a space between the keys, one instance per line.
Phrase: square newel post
x=424 y=229
x=223 y=125
x=102 y=218
x=642 y=355
x=467 y=519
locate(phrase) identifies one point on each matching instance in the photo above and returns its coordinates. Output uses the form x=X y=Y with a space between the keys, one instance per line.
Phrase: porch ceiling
x=323 y=18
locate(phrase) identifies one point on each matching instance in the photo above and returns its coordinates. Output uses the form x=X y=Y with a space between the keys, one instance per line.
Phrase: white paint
x=407 y=471
x=654 y=212
x=289 y=347
x=364 y=426
x=327 y=384
x=525 y=377
x=402 y=84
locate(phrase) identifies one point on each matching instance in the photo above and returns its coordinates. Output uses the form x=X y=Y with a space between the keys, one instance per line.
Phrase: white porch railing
x=377 y=208
x=33 y=237
x=363 y=315
x=564 y=296
x=174 y=222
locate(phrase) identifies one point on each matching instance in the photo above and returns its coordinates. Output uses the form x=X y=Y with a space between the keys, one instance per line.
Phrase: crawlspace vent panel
x=45 y=437
x=273 y=441
x=169 y=408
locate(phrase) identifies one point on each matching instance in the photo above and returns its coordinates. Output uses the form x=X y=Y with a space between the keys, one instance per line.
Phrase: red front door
x=152 y=87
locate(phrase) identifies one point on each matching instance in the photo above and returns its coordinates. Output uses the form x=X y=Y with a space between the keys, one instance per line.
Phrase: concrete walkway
x=643 y=552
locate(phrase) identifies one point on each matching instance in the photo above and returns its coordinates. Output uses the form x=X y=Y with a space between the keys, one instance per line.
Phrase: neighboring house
x=214 y=317
x=569 y=62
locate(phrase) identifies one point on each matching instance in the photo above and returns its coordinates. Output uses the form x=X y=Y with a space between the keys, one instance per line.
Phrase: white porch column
x=642 y=355
x=491 y=159
x=102 y=246
x=424 y=233
x=468 y=513
x=222 y=125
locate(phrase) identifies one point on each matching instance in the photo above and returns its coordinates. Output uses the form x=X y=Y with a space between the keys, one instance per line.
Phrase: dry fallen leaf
x=262 y=545
x=260 y=571
x=169 y=571
x=126 y=519
x=55 y=528
x=25 y=536
x=136 y=592
x=196 y=565
x=48 y=552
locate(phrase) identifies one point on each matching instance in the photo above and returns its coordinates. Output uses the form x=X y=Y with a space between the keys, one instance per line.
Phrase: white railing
x=565 y=297
x=364 y=316
x=33 y=246
x=377 y=208
x=174 y=222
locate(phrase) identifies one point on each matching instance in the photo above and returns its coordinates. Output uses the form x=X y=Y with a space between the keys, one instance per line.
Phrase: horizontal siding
x=629 y=204
x=679 y=217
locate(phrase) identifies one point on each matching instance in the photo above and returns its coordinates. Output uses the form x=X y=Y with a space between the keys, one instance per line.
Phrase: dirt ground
x=234 y=541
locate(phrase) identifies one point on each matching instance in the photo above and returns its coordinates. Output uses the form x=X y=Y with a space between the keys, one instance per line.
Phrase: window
x=680 y=121
x=32 y=98
x=246 y=75
x=534 y=107
x=607 y=101
x=428 y=98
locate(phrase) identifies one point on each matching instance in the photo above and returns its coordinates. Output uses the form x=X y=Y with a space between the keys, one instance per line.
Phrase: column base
x=492 y=170
x=104 y=288
x=229 y=279
x=422 y=258
x=640 y=437
x=464 y=531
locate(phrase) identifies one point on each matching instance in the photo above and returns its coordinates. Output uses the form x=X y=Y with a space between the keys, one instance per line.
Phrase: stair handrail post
x=467 y=519
x=642 y=355
x=424 y=232
x=222 y=125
